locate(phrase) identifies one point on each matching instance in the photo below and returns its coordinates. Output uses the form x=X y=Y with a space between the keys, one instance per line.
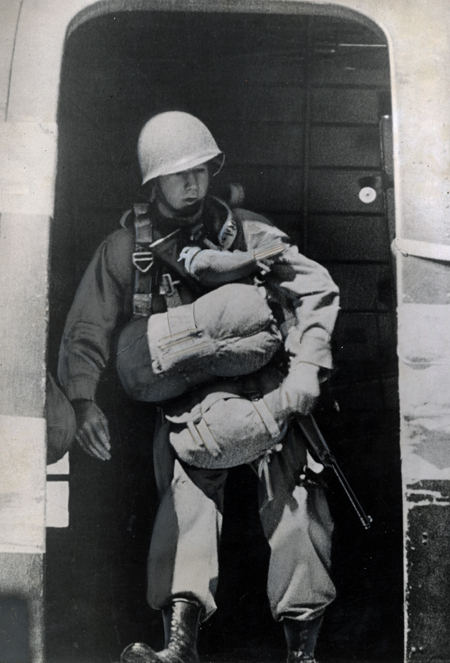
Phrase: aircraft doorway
x=300 y=105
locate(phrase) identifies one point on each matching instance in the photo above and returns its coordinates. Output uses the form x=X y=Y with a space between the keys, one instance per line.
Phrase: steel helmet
x=174 y=141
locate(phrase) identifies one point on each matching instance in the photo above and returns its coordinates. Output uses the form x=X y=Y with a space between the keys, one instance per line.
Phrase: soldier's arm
x=314 y=305
x=311 y=296
x=216 y=267
x=85 y=348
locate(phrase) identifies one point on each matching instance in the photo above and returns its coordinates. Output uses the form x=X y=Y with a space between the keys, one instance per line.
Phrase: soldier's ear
x=150 y=190
x=233 y=194
x=147 y=192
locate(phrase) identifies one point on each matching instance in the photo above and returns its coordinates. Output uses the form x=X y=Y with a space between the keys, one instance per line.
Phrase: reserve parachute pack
x=231 y=422
x=205 y=348
x=228 y=332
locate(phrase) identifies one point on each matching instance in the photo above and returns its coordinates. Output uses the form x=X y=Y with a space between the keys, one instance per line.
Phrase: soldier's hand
x=92 y=429
x=302 y=388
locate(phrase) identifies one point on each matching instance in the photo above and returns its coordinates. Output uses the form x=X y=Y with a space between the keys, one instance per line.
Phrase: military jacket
x=103 y=301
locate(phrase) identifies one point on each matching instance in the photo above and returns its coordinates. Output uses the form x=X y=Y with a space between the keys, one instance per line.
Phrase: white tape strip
x=412 y=247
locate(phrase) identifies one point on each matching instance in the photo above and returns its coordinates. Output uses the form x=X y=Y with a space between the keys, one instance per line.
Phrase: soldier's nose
x=191 y=181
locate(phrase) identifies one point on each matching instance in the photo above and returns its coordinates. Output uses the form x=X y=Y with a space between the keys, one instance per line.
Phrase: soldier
x=128 y=280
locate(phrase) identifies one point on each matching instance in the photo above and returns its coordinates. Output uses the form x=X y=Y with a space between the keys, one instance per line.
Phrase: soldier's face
x=183 y=192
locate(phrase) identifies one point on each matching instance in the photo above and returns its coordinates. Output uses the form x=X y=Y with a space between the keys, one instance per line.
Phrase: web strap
x=145 y=272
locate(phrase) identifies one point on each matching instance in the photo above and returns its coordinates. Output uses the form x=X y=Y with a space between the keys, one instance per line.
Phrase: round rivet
x=367 y=195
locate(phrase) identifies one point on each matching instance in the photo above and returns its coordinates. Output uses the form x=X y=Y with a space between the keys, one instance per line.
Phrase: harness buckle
x=196 y=232
x=143 y=260
x=167 y=285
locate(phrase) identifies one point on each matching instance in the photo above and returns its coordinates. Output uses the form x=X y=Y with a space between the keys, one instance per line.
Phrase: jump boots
x=181 y=623
x=301 y=639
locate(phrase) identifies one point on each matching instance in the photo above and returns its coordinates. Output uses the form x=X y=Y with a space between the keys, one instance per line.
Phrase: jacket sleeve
x=97 y=310
x=308 y=293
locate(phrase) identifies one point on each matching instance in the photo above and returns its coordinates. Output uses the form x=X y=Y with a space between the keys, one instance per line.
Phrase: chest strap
x=149 y=260
x=145 y=272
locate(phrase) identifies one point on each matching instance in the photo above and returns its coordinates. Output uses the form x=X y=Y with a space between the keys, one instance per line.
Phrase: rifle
x=322 y=451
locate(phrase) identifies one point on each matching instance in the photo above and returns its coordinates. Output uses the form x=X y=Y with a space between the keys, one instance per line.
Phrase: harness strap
x=158 y=270
x=203 y=437
x=150 y=277
x=264 y=470
x=143 y=261
x=266 y=416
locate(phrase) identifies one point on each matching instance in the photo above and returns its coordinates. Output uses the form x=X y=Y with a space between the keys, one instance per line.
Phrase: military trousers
x=183 y=557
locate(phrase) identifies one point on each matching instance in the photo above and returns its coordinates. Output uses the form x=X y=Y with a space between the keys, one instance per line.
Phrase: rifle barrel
x=325 y=455
x=364 y=518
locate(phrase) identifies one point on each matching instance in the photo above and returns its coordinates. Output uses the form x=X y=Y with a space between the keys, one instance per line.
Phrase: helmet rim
x=186 y=164
x=172 y=142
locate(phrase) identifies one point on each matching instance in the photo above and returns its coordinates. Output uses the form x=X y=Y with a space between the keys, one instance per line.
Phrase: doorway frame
x=418 y=42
